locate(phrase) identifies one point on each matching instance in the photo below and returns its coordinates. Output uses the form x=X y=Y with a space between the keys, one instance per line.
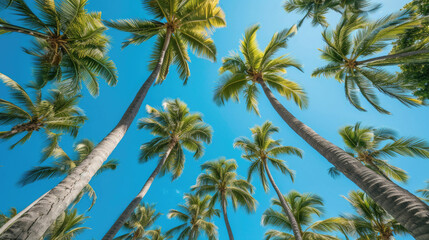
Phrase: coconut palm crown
x=196 y=214
x=189 y=22
x=67 y=226
x=70 y=45
x=371 y=145
x=241 y=75
x=350 y=48
x=304 y=207
x=58 y=113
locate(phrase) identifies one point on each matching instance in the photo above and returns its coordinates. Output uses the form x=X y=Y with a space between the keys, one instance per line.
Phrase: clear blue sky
x=328 y=111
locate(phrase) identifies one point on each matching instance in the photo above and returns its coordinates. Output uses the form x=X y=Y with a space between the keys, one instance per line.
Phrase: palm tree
x=347 y=51
x=58 y=113
x=142 y=218
x=69 y=43
x=200 y=17
x=401 y=204
x=366 y=145
x=5 y=218
x=176 y=129
x=317 y=9
x=221 y=179
x=425 y=193
x=157 y=234
x=66 y=226
x=63 y=165
x=304 y=207
x=261 y=150
x=197 y=213
x=373 y=222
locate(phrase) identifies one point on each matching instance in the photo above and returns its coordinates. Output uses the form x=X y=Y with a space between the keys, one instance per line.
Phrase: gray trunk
x=406 y=208
x=286 y=208
x=33 y=224
x=136 y=201
x=225 y=218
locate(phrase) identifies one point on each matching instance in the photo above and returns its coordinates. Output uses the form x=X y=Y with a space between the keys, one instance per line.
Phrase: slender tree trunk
x=397 y=55
x=136 y=201
x=406 y=208
x=39 y=217
x=13 y=219
x=286 y=208
x=225 y=217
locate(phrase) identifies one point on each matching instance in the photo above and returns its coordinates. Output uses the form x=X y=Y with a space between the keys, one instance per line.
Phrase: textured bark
x=286 y=208
x=225 y=217
x=406 y=208
x=33 y=224
x=136 y=201
x=397 y=55
x=13 y=219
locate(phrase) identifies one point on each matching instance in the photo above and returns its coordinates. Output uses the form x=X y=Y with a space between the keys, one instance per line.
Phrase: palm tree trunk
x=406 y=208
x=13 y=219
x=136 y=201
x=38 y=218
x=397 y=55
x=286 y=208
x=225 y=217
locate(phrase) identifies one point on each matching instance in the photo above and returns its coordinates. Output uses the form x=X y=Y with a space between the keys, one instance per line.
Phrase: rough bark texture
x=33 y=224
x=406 y=208
x=225 y=218
x=286 y=208
x=136 y=201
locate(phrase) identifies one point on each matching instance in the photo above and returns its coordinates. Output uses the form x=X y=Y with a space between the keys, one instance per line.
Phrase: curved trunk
x=397 y=55
x=406 y=208
x=136 y=201
x=286 y=208
x=13 y=219
x=225 y=218
x=39 y=217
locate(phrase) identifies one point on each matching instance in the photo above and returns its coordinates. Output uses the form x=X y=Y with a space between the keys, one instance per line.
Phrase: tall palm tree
x=142 y=218
x=67 y=226
x=366 y=145
x=200 y=17
x=197 y=213
x=261 y=150
x=304 y=207
x=373 y=222
x=70 y=45
x=63 y=165
x=176 y=129
x=57 y=113
x=317 y=9
x=401 y=204
x=425 y=192
x=350 y=49
x=221 y=179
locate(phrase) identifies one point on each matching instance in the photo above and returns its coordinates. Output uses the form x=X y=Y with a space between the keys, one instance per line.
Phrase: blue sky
x=328 y=111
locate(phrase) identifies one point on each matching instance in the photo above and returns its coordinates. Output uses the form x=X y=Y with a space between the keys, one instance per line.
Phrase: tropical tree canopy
x=143 y=217
x=317 y=9
x=263 y=148
x=196 y=214
x=63 y=165
x=355 y=39
x=189 y=22
x=57 y=113
x=371 y=145
x=5 y=217
x=220 y=179
x=240 y=75
x=304 y=207
x=67 y=226
x=372 y=221
x=69 y=46
x=174 y=123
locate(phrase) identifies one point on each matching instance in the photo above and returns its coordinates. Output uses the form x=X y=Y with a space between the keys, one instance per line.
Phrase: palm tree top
x=220 y=177
x=241 y=74
x=190 y=23
x=263 y=148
